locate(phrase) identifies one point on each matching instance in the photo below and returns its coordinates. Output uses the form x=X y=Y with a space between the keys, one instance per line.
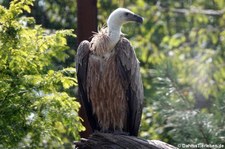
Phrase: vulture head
x=121 y=16
x=115 y=21
x=107 y=38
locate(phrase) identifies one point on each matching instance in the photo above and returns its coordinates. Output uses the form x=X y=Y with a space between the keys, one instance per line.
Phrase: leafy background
x=181 y=47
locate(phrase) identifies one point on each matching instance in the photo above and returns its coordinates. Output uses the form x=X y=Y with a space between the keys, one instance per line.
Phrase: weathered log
x=119 y=141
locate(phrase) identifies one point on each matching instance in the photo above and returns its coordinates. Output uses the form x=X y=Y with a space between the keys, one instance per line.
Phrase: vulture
x=109 y=79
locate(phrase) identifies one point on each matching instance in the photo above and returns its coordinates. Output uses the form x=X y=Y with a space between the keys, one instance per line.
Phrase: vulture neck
x=114 y=32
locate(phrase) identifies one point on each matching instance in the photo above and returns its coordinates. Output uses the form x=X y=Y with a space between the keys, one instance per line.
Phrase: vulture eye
x=126 y=14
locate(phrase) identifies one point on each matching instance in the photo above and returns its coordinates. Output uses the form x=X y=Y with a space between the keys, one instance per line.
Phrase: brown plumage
x=100 y=42
x=110 y=84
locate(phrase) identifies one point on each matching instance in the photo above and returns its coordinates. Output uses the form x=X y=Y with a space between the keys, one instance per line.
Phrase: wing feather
x=129 y=69
x=82 y=57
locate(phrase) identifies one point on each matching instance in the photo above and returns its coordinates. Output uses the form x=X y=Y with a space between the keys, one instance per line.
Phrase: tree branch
x=194 y=10
x=119 y=141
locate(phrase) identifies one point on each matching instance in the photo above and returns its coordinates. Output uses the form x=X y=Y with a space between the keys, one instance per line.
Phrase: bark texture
x=119 y=141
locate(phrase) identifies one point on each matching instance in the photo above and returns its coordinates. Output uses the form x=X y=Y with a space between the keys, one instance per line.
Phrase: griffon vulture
x=109 y=78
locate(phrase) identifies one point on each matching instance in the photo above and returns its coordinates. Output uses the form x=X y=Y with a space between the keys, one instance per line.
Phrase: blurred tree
x=181 y=50
x=36 y=111
x=181 y=57
x=53 y=15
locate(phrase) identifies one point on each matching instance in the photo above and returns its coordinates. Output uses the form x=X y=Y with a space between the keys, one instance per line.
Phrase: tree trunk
x=86 y=24
x=86 y=19
x=119 y=141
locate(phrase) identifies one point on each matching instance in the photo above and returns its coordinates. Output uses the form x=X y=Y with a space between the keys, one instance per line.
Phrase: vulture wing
x=81 y=67
x=129 y=69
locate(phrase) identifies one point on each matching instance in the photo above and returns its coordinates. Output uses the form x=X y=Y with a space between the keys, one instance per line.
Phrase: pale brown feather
x=106 y=93
x=99 y=44
x=112 y=84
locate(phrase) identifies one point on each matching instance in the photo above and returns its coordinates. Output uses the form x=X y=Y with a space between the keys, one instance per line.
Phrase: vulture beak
x=138 y=18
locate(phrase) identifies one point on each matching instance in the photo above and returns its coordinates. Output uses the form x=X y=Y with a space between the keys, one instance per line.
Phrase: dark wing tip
x=130 y=71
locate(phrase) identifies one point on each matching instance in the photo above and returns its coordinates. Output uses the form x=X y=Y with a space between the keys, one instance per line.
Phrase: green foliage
x=183 y=71
x=56 y=14
x=181 y=49
x=36 y=109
